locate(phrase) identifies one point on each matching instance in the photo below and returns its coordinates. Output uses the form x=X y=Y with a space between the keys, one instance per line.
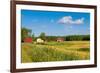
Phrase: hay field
x=55 y=51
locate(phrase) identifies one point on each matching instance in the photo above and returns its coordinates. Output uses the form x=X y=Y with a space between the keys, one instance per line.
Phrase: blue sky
x=56 y=23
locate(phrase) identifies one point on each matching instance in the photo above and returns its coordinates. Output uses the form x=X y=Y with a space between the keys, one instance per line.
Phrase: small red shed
x=28 y=40
x=60 y=39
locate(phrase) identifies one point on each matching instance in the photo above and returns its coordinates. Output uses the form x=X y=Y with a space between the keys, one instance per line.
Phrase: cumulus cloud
x=69 y=20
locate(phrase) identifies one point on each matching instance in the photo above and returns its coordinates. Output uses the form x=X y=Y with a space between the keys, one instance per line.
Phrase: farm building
x=60 y=39
x=28 y=40
x=39 y=40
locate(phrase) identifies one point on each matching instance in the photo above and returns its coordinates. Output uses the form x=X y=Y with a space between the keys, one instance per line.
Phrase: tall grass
x=54 y=51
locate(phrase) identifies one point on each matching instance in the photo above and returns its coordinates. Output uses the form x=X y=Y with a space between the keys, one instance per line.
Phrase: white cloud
x=69 y=20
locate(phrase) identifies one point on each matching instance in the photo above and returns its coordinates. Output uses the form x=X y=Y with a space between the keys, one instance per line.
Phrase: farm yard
x=55 y=51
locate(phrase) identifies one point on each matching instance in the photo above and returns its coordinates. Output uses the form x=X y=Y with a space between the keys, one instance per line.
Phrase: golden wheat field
x=55 y=51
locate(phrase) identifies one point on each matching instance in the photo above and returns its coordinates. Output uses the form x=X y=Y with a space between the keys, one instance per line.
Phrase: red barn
x=60 y=39
x=28 y=40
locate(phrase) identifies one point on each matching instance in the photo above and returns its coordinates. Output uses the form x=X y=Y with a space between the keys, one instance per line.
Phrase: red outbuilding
x=60 y=39
x=28 y=40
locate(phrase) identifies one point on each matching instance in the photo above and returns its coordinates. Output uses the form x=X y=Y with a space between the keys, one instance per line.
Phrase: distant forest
x=70 y=38
x=28 y=33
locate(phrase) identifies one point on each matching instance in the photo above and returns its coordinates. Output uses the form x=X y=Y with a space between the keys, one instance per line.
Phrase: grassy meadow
x=55 y=51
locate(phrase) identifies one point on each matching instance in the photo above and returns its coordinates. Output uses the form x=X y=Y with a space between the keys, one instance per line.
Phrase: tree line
x=28 y=33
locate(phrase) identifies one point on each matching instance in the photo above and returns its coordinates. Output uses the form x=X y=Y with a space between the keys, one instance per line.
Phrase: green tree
x=33 y=37
x=42 y=36
x=29 y=32
x=25 y=33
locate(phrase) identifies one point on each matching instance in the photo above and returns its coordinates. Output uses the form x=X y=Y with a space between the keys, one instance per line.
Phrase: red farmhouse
x=60 y=39
x=28 y=40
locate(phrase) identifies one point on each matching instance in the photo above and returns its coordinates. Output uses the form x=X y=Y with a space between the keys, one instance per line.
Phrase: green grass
x=55 y=51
